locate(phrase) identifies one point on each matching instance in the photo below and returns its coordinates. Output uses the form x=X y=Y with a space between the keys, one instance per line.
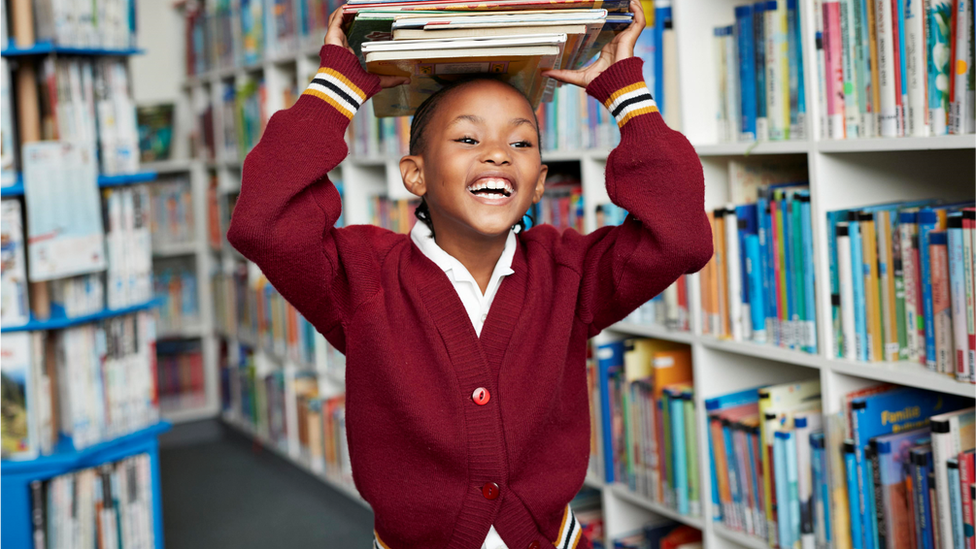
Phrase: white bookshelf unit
x=842 y=174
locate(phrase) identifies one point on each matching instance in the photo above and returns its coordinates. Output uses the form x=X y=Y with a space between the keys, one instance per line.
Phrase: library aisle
x=222 y=490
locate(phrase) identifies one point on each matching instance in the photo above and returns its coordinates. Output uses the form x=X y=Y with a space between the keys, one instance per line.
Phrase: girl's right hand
x=335 y=37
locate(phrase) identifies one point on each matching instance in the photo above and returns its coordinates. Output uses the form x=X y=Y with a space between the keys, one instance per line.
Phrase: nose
x=497 y=153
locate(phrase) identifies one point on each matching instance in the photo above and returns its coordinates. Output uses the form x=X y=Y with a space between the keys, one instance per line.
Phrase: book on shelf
x=107 y=24
x=759 y=72
x=647 y=421
x=129 y=242
x=913 y=301
x=63 y=211
x=180 y=375
x=894 y=69
x=172 y=220
x=87 y=101
x=175 y=286
x=13 y=273
x=659 y=534
x=155 y=126
x=760 y=284
x=17 y=371
x=8 y=140
x=81 y=385
x=112 y=505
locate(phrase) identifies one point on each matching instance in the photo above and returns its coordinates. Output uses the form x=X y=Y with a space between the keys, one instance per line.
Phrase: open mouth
x=492 y=187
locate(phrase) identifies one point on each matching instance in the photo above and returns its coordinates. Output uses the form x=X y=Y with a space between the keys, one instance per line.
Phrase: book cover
x=806 y=424
x=893 y=469
x=952 y=433
x=14 y=310
x=883 y=413
x=18 y=390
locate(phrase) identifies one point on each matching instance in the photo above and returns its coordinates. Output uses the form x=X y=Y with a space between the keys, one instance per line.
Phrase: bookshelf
x=842 y=174
x=56 y=352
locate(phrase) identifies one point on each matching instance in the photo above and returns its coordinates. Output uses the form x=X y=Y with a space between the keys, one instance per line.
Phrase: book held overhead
x=435 y=43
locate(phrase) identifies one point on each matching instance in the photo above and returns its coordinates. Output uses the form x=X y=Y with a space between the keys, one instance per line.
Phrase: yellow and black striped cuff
x=630 y=101
x=570 y=530
x=334 y=88
x=377 y=544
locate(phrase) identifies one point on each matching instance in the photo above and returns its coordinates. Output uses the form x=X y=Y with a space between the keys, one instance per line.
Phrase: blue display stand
x=45 y=48
x=16 y=476
x=17 y=189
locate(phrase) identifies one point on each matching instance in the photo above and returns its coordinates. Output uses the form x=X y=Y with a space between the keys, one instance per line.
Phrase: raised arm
x=285 y=215
x=654 y=174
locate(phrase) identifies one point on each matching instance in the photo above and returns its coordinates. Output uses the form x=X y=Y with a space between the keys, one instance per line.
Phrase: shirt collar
x=420 y=234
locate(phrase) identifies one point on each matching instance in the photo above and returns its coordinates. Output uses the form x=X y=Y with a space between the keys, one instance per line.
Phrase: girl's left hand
x=621 y=47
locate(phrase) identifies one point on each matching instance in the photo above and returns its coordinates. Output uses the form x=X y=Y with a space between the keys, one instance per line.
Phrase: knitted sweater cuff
x=341 y=83
x=622 y=91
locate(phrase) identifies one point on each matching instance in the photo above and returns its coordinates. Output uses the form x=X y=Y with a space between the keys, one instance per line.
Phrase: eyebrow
x=475 y=119
x=469 y=117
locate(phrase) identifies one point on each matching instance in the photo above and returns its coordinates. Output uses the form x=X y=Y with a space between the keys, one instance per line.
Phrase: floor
x=221 y=490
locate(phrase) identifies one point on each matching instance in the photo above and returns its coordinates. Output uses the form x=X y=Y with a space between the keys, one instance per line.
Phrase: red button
x=534 y=545
x=480 y=396
x=490 y=490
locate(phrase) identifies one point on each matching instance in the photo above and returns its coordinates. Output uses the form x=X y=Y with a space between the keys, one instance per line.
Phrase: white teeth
x=492 y=183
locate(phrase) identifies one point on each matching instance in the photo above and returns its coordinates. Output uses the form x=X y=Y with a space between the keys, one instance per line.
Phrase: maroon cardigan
x=438 y=464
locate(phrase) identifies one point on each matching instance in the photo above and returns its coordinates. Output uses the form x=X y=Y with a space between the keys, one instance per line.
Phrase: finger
x=576 y=78
x=334 y=33
x=628 y=38
x=393 y=81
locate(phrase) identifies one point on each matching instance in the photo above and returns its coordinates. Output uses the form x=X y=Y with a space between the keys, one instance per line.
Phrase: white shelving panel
x=842 y=174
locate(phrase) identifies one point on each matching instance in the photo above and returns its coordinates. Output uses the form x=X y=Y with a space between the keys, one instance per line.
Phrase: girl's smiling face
x=480 y=169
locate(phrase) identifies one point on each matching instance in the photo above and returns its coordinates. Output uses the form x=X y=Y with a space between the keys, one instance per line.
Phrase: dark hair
x=418 y=129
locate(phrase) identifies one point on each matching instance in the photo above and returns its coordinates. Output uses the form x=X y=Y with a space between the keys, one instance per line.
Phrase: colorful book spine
x=915 y=63
x=834 y=69
x=746 y=42
x=938 y=33
x=850 y=467
x=957 y=280
x=849 y=45
x=927 y=223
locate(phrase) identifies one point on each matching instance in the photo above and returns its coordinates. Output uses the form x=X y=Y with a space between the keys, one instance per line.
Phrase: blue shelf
x=103 y=181
x=16 y=478
x=17 y=189
x=44 y=48
x=68 y=459
x=58 y=323
x=125 y=179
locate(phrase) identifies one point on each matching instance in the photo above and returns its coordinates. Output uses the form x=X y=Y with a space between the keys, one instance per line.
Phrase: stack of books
x=435 y=42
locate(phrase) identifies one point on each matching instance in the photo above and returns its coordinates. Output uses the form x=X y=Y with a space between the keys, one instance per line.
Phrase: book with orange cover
x=872 y=297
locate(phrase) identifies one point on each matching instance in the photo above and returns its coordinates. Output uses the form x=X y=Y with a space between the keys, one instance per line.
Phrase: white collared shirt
x=475 y=303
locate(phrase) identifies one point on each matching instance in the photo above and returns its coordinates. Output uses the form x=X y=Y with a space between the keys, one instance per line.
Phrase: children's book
x=952 y=434
x=15 y=371
x=883 y=413
x=893 y=470
x=13 y=273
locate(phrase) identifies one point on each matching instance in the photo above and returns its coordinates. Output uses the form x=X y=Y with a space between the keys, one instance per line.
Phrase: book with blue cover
x=610 y=360
x=883 y=413
x=894 y=470
x=921 y=459
x=746 y=43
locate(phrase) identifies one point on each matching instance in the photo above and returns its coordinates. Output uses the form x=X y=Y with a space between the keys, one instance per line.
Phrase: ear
x=540 y=184
x=412 y=173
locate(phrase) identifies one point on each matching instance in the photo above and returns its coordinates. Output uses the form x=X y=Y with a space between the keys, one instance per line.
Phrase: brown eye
x=467 y=140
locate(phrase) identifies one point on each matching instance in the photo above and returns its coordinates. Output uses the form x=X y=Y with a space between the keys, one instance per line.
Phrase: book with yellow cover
x=431 y=69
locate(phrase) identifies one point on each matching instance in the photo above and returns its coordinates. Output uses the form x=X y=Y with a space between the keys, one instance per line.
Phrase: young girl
x=467 y=415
